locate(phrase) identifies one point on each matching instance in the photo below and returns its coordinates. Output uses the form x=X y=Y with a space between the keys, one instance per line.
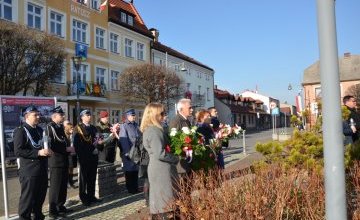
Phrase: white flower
x=193 y=129
x=173 y=132
x=186 y=130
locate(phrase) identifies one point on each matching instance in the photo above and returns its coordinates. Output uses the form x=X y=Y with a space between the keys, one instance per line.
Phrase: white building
x=265 y=99
x=198 y=78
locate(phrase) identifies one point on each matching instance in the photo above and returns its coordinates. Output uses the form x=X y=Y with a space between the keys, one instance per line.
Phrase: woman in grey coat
x=162 y=165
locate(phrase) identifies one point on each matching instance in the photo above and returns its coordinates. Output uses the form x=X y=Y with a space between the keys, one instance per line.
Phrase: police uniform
x=58 y=164
x=85 y=147
x=33 y=169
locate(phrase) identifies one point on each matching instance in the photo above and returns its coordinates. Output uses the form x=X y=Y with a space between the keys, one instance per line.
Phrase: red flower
x=211 y=155
x=167 y=148
x=187 y=140
x=201 y=140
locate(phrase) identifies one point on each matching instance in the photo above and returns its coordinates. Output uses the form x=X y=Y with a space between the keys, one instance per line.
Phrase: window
x=83 y=73
x=100 y=38
x=95 y=4
x=114 y=43
x=130 y=20
x=140 y=51
x=208 y=94
x=6 y=9
x=56 y=23
x=115 y=116
x=128 y=47
x=61 y=77
x=100 y=76
x=34 y=16
x=123 y=17
x=84 y=2
x=79 y=31
x=199 y=88
x=114 y=80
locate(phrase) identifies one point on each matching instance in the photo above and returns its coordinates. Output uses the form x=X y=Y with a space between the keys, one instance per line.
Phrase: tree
x=354 y=90
x=150 y=83
x=29 y=59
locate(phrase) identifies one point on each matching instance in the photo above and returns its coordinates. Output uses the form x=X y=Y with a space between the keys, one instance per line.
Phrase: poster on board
x=12 y=106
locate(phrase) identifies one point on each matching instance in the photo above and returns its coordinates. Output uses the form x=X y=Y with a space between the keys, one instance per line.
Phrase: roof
x=116 y=6
x=161 y=47
x=349 y=70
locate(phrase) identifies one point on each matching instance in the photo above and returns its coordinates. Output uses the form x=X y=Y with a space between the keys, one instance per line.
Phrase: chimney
x=347 y=54
x=155 y=34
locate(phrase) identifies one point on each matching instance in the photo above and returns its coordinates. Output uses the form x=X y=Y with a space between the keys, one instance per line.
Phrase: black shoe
x=95 y=200
x=87 y=204
x=63 y=209
x=55 y=216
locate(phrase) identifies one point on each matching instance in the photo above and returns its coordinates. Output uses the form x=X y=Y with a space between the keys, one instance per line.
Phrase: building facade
x=114 y=38
x=349 y=70
x=198 y=79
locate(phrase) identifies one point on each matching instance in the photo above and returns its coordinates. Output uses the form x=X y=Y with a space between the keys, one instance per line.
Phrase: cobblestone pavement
x=123 y=205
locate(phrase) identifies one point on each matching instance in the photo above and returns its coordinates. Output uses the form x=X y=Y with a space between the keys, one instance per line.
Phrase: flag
x=103 y=6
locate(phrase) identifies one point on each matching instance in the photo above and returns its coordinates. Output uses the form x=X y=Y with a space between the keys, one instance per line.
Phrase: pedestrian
x=33 y=155
x=215 y=123
x=106 y=146
x=72 y=158
x=203 y=120
x=184 y=112
x=58 y=163
x=161 y=170
x=354 y=117
x=85 y=142
x=128 y=138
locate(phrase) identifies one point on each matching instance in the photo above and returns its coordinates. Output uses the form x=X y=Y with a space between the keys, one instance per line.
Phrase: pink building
x=349 y=70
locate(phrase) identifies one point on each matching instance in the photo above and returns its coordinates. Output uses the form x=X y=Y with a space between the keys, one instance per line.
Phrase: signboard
x=275 y=111
x=81 y=51
x=272 y=105
x=11 y=109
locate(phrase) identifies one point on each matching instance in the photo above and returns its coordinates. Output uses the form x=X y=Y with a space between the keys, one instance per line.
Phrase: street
x=122 y=204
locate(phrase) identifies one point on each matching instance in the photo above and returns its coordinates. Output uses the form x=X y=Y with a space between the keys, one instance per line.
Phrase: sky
x=254 y=43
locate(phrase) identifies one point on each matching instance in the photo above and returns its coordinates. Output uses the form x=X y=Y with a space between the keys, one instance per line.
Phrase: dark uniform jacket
x=129 y=134
x=30 y=163
x=356 y=117
x=179 y=122
x=84 y=140
x=58 y=144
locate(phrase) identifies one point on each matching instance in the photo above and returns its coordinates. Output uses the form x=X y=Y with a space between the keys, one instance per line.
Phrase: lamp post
x=77 y=63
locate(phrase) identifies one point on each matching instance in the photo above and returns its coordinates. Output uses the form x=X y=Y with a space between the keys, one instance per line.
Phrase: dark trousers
x=58 y=188
x=131 y=179
x=33 y=193
x=87 y=181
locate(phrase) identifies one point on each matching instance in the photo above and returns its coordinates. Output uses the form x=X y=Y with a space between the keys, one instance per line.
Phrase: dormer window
x=130 y=20
x=123 y=17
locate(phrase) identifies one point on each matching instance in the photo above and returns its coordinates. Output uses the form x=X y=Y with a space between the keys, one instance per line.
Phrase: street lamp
x=77 y=63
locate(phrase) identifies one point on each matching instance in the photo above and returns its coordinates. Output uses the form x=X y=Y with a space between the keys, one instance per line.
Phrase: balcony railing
x=87 y=88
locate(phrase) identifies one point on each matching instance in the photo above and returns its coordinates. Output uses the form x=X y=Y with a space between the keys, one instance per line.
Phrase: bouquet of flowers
x=226 y=132
x=189 y=145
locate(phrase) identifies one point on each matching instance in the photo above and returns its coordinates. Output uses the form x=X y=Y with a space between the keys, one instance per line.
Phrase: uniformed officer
x=106 y=146
x=58 y=163
x=129 y=134
x=85 y=142
x=29 y=148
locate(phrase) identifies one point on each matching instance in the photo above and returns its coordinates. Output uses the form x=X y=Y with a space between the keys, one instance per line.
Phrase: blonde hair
x=67 y=129
x=152 y=116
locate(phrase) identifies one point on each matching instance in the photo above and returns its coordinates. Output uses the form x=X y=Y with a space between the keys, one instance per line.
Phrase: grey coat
x=161 y=170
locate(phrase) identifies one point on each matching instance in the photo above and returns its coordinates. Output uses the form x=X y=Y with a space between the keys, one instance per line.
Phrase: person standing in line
x=184 y=111
x=129 y=135
x=161 y=169
x=72 y=158
x=85 y=142
x=58 y=163
x=354 y=117
x=33 y=175
x=215 y=126
x=106 y=146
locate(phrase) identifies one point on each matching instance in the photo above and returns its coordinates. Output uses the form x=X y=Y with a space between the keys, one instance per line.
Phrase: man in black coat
x=184 y=111
x=214 y=118
x=29 y=148
x=354 y=118
x=85 y=142
x=58 y=163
